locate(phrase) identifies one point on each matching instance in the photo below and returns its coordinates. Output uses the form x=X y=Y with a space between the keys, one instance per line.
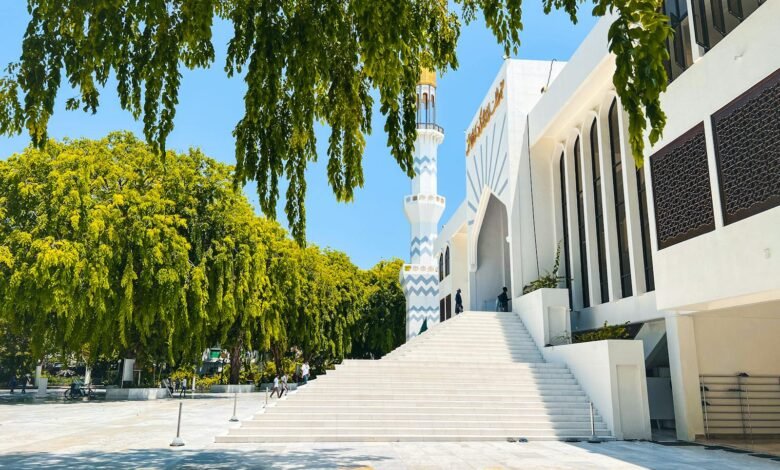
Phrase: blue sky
x=372 y=227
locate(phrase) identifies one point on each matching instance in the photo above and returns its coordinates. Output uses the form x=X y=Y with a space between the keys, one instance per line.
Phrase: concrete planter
x=247 y=388
x=136 y=393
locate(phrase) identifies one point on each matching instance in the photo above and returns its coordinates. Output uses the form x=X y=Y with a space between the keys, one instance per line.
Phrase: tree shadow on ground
x=342 y=457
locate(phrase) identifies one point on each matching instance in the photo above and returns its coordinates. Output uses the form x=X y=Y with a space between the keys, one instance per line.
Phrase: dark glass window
x=599 y=209
x=647 y=252
x=620 y=202
x=447 y=262
x=679 y=45
x=715 y=19
x=442 y=310
x=448 y=307
x=581 y=225
x=441 y=267
x=566 y=274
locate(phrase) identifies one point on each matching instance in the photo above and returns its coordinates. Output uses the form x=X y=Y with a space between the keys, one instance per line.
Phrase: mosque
x=684 y=251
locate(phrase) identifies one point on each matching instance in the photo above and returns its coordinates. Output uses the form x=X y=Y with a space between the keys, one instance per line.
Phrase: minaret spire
x=424 y=207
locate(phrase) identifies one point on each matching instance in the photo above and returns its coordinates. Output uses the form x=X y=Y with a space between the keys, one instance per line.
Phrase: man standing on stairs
x=503 y=301
x=305 y=372
x=458 y=303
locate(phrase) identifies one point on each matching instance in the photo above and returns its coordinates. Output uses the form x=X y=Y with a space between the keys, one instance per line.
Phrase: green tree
x=383 y=319
x=302 y=61
x=109 y=248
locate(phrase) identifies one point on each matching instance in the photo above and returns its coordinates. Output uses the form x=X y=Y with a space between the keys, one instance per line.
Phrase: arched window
x=566 y=274
x=441 y=267
x=447 y=262
x=597 y=202
x=620 y=201
x=581 y=224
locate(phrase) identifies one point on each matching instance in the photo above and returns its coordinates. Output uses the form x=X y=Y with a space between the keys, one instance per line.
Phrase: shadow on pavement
x=332 y=457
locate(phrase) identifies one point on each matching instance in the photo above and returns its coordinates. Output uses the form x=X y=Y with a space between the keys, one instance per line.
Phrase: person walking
x=12 y=383
x=458 y=303
x=503 y=301
x=25 y=383
x=275 y=388
x=284 y=389
x=305 y=372
x=183 y=390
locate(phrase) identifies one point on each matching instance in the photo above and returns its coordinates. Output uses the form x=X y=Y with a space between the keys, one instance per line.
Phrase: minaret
x=424 y=207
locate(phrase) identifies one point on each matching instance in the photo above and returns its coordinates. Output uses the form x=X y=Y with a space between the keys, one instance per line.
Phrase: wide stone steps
x=478 y=376
x=580 y=413
x=389 y=425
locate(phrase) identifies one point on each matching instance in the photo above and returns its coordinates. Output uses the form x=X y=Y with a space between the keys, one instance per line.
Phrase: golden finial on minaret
x=427 y=77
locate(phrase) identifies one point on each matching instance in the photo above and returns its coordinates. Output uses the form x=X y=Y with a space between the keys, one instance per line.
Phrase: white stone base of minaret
x=421 y=287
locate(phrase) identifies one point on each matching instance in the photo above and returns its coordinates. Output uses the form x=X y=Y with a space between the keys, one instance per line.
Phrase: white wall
x=743 y=339
x=612 y=373
x=738 y=263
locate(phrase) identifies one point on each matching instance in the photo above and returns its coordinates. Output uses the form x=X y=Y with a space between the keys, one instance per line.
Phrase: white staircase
x=478 y=376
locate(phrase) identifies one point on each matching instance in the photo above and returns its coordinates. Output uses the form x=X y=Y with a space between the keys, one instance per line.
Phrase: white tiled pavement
x=137 y=434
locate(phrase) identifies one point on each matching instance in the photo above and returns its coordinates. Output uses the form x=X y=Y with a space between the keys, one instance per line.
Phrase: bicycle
x=81 y=392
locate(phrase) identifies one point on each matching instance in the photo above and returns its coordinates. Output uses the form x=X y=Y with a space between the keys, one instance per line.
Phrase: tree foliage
x=302 y=61
x=108 y=249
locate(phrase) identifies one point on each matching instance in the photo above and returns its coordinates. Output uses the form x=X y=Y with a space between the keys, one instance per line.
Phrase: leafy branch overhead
x=302 y=61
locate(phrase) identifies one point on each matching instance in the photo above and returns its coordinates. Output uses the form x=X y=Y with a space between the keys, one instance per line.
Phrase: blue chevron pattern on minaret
x=424 y=207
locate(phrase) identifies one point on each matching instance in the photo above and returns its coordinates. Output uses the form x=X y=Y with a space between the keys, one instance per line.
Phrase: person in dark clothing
x=458 y=303
x=12 y=383
x=503 y=301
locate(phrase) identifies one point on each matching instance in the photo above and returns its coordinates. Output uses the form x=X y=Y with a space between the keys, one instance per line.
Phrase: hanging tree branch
x=302 y=61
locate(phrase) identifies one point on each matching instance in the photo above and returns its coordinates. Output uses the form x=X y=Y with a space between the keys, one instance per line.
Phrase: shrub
x=605 y=332
x=550 y=280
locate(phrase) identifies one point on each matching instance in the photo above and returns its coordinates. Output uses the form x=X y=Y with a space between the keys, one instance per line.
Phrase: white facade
x=423 y=208
x=548 y=165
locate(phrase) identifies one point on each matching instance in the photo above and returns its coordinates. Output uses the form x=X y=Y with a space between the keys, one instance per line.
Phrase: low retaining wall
x=611 y=372
x=246 y=388
x=136 y=393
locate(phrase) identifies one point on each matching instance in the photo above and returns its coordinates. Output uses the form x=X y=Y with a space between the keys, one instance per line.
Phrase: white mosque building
x=685 y=250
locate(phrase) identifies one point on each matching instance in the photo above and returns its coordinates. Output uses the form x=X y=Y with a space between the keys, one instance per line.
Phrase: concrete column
x=684 y=367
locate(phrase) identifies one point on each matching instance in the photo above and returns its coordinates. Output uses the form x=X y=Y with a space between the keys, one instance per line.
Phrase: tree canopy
x=108 y=249
x=302 y=61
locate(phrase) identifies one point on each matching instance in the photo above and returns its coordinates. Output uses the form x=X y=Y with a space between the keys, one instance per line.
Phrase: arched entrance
x=493 y=268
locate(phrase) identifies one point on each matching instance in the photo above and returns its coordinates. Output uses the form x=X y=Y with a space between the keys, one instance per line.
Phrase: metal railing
x=741 y=404
x=428 y=125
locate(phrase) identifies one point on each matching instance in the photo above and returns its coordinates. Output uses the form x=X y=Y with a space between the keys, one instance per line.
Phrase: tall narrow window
x=620 y=202
x=567 y=276
x=581 y=225
x=596 y=167
x=441 y=267
x=447 y=262
x=647 y=253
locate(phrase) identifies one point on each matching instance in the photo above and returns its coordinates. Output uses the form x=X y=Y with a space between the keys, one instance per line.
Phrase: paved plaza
x=56 y=434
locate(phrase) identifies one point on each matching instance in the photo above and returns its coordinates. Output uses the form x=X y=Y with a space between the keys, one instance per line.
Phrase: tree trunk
x=235 y=363
x=277 y=353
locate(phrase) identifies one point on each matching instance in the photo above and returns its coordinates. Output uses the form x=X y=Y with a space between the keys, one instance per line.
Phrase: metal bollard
x=178 y=441
x=234 y=418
